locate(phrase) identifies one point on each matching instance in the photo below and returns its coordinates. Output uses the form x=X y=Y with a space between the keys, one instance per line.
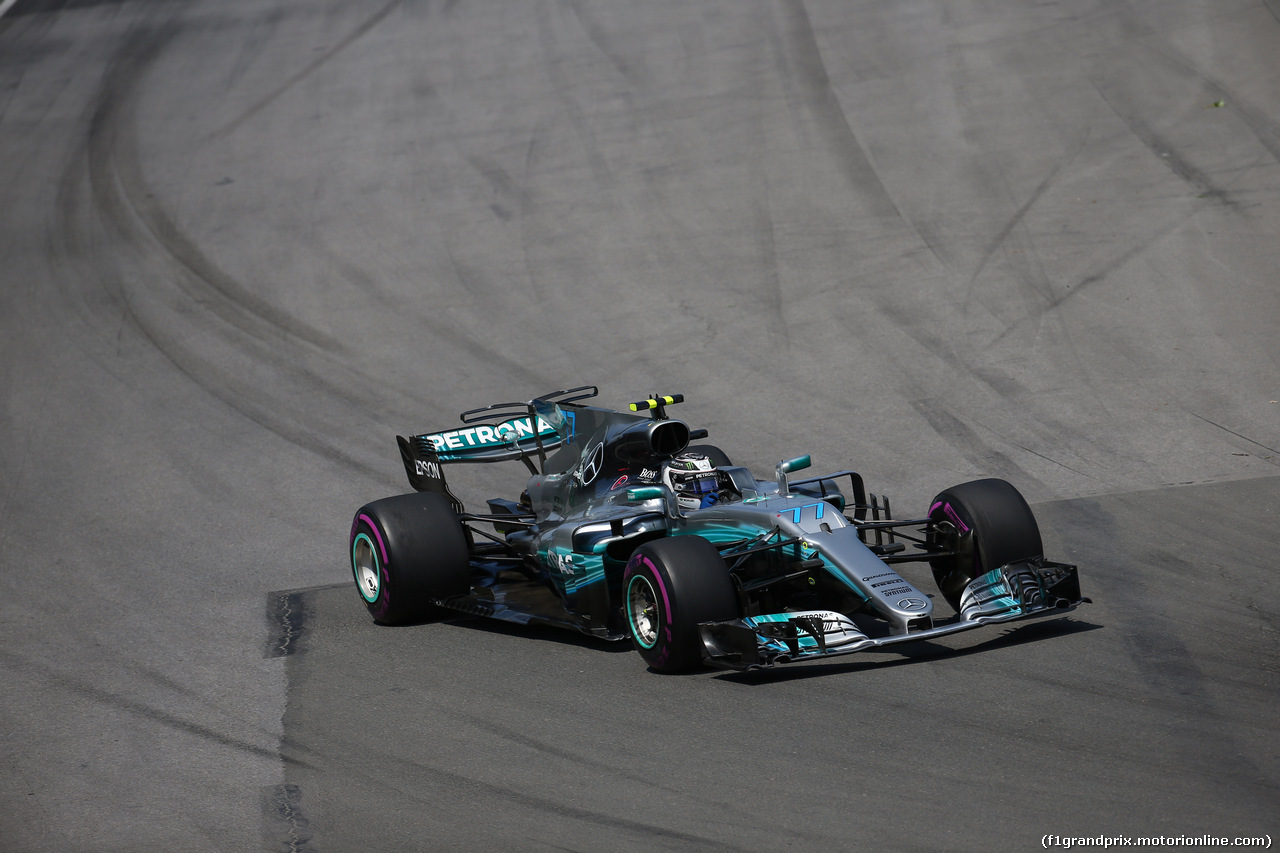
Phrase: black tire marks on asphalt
x=966 y=441
x=173 y=276
x=843 y=145
x=1148 y=52
x=608 y=46
x=1263 y=126
x=1163 y=150
x=1268 y=5
x=115 y=172
x=307 y=70
x=1151 y=605
x=100 y=696
x=1239 y=436
x=187 y=307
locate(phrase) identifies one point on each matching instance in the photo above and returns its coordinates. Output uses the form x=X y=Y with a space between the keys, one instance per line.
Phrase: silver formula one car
x=626 y=529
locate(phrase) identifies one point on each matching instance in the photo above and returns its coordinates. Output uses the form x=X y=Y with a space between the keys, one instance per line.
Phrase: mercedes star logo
x=911 y=604
x=591 y=468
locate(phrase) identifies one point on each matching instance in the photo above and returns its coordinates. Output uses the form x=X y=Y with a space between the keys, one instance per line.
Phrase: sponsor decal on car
x=562 y=563
x=836 y=629
x=591 y=467
x=426 y=468
x=488 y=435
x=896 y=580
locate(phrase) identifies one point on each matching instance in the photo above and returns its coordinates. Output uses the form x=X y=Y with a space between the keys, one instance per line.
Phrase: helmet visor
x=695 y=482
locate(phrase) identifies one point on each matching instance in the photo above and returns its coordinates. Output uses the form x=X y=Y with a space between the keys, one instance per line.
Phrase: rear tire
x=406 y=551
x=1004 y=530
x=669 y=586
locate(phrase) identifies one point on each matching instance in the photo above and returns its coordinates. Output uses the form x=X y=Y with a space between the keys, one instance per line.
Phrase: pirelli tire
x=994 y=526
x=670 y=585
x=407 y=551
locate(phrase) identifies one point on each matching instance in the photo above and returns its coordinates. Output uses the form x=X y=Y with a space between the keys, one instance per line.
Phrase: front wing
x=1022 y=590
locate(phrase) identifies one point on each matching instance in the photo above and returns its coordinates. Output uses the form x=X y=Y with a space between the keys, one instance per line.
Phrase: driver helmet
x=692 y=477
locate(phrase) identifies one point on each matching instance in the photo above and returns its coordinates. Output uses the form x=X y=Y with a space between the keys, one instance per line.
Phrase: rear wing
x=496 y=433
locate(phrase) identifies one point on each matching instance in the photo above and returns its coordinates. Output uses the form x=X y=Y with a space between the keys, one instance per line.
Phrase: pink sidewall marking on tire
x=377 y=534
x=951 y=514
x=662 y=587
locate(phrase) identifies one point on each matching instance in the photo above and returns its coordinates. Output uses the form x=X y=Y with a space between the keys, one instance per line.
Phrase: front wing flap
x=1021 y=590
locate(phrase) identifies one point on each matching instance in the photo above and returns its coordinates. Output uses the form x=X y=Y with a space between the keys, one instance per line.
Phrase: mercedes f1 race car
x=625 y=528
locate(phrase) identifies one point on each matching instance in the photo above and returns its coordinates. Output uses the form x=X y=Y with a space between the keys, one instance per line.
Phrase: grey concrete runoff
x=243 y=245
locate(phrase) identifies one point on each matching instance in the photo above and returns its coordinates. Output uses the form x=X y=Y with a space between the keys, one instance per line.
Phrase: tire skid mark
x=770 y=282
x=306 y=71
x=525 y=217
x=156 y=715
x=477 y=790
x=1052 y=430
x=1163 y=150
x=670 y=237
x=1261 y=125
x=1236 y=434
x=600 y=38
x=479 y=350
x=250 y=48
x=570 y=115
x=118 y=186
x=121 y=194
x=504 y=186
x=1158 y=655
x=112 y=163
x=833 y=124
x=233 y=387
x=1103 y=272
x=1042 y=284
x=1118 y=262
x=1051 y=460
x=561 y=85
x=907 y=320
x=544 y=748
x=962 y=437
x=829 y=116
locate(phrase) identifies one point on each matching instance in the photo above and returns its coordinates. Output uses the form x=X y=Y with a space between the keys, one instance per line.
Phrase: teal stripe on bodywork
x=729 y=534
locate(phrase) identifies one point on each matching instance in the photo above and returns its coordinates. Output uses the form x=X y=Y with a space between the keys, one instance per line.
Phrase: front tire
x=994 y=527
x=406 y=551
x=669 y=586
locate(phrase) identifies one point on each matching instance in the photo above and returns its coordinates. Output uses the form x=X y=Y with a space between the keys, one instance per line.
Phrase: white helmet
x=692 y=477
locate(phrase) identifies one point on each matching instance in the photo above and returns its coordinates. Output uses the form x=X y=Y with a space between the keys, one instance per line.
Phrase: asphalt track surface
x=244 y=244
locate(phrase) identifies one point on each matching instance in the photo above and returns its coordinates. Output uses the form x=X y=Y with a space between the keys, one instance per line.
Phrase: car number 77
x=798 y=512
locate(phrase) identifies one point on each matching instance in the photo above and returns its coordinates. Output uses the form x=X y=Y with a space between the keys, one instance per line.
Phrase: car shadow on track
x=544 y=633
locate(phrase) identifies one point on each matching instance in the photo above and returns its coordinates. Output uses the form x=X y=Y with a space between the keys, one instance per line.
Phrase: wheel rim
x=642 y=611
x=364 y=563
